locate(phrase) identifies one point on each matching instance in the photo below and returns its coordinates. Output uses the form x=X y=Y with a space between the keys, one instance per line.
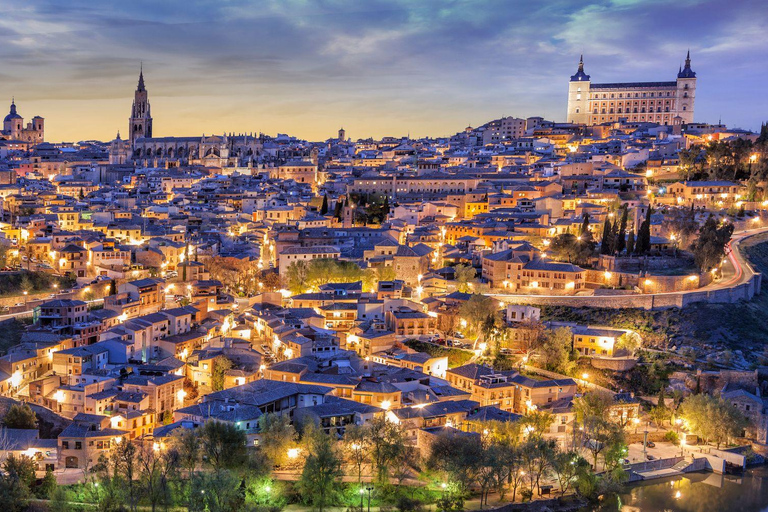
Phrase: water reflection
x=695 y=492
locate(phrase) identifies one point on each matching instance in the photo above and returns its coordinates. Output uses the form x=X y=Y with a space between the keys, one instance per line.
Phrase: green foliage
x=320 y=478
x=555 y=350
x=20 y=416
x=266 y=494
x=223 y=445
x=32 y=282
x=709 y=247
x=302 y=276
x=481 y=314
x=216 y=491
x=456 y=357
x=672 y=437
x=712 y=418
x=573 y=249
x=277 y=436
x=218 y=373
x=18 y=474
x=464 y=275
x=643 y=243
x=47 y=486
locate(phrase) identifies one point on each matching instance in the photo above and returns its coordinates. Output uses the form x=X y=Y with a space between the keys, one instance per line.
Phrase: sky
x=375 y=67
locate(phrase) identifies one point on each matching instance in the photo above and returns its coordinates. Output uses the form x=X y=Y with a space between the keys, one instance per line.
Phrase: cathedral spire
x=141 y=78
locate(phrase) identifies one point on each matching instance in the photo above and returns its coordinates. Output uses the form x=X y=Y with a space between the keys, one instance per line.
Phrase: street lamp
x=678 y=422
x=369 y=489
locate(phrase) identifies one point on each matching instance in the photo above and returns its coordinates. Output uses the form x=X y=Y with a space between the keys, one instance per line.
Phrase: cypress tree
x=630 y=243
x=338 y=208
x=584 y=226
x=644 y=234
x=324 y=207
x=620 y=243
x=606 y=244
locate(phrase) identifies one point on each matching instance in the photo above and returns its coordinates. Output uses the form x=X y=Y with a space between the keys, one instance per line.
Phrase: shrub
x=672 y=437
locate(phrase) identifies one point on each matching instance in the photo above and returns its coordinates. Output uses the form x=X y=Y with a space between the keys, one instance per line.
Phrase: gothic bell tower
x=140 y=122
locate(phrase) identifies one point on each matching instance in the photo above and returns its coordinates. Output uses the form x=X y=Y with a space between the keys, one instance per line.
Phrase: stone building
x=14 y=129
x=666 y=103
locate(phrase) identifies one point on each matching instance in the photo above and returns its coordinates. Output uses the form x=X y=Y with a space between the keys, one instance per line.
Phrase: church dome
x=12 y=115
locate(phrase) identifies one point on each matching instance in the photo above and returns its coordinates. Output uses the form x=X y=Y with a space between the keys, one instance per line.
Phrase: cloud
x=377 y=67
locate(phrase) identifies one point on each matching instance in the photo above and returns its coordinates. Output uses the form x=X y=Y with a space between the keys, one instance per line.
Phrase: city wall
x=744 y=291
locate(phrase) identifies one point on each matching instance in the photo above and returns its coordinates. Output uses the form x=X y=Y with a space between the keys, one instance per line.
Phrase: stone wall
x=616 y=364
x=744 y=291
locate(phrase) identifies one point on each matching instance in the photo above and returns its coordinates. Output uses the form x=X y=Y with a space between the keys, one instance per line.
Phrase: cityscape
x=561 y=311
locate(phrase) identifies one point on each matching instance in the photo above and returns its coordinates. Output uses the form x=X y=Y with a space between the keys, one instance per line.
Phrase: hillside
x=707 y=328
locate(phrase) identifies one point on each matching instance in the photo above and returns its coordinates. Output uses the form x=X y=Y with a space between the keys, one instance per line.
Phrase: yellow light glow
x=386 y=404
x=293 y=453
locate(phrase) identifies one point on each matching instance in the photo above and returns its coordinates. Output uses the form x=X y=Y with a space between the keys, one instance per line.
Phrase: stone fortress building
x=144 y=150
x=655 y=102
x=13 y=127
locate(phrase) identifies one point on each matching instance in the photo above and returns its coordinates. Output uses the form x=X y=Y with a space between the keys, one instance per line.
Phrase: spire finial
x=141 y=76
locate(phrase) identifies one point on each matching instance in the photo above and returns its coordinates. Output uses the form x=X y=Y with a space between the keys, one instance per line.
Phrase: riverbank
x=694 y=491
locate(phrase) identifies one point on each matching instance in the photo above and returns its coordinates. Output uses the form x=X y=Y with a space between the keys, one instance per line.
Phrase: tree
x=186 y=443
x=387 y=444
x=223 y=445
x=216 y=491
x=555 y=350
x=296 y=276
x=156 y=467
x=606 y=243
x=123 y=480
x=320 y=478
x=535 y=423
x=620 y=244
x=324 y=207
x=578 y=250
x=464 y=274
x=532 y=334
x=709 y=247
x=460 y=457
x=712 y=418
x=47 y=487
x=357 y=448
x=479 y=312
x=277 y=437
x=630 y=341
x=15 y=480
x=566 y=467
x=659 y=414
x=20 y=416
x=218 y=373
x=630 y=243
x=643 y=242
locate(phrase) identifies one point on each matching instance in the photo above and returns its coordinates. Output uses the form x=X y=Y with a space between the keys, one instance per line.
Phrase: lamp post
x=369 y=489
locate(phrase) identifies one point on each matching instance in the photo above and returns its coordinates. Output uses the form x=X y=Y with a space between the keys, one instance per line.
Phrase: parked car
x=650 y=457
x=650 y=444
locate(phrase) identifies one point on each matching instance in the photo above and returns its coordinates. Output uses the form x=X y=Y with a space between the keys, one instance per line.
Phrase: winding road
x=737 y=271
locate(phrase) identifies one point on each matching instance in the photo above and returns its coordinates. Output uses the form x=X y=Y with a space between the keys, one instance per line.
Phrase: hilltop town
x=433 y=292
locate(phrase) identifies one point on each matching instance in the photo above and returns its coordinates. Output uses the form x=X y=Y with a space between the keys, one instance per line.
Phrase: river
x=695 y=492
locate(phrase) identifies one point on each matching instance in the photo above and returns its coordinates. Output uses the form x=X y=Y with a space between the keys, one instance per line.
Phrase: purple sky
x=375 y=67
